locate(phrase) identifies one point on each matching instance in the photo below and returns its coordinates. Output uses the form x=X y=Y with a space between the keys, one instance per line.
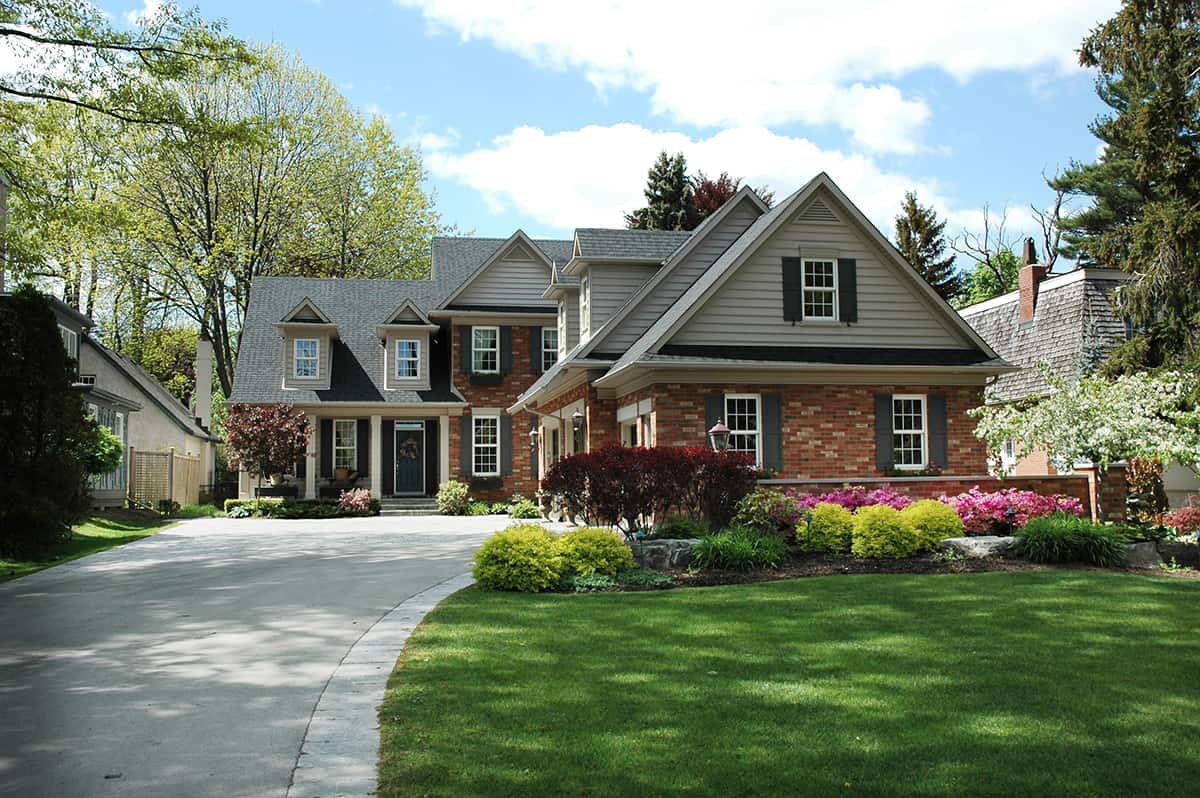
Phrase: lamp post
x=718 y=436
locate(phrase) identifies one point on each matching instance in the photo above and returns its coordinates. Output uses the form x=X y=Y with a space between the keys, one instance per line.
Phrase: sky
x=544 y=115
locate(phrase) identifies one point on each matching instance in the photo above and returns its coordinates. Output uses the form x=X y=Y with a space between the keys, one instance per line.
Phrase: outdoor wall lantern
x=719 y=436
x=577 y=420
x=533 y=438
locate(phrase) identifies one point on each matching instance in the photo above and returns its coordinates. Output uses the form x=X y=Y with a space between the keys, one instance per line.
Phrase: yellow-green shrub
x=591 y=550
x=521 y=557
x=933 y=522
x=881 y=532
x=829 y=529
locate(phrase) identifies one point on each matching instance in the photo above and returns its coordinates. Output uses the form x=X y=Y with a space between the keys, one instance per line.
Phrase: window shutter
x=388 y=461
x=302 y=468
x=505 y=350
x=326 y=443
x=714 y=408
x=884 y=452
x=464 y=349
x=935 y=414
x=793 y=287
x=506 y=446
x=847 y=290
x=465 y=466
x=535 y=350
x=534 y=452
x=364 y=447
x=772 y=431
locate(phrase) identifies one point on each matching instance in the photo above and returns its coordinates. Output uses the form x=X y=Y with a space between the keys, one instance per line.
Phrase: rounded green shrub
x=830 y=527
x=525 y=508
x=591 y=550
x=1063 y=537
x=768 y=511
x=522 y=557
x=679 y=527
x=933 y=522
x=881 y=532
x=452 y=497
x=740 y=549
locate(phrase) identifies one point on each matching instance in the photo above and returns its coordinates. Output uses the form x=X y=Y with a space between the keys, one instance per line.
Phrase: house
x=1067 y=321
x=800 y=326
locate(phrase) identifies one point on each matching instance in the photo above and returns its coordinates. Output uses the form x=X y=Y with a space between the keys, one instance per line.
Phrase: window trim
x=758 y=427
x=415 y=359
x=585 y=306
x=316 y=359
x=353 y=447
x=86 y=379
x=804 y=261
x=562 y=328
x=65 y=332
x=549 y=352
x=924 y=400
x=476 y=350
x=476 y=446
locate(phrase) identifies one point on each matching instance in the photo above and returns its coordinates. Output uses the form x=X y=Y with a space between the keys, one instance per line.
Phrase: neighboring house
x=1068 y=322
x=800 y=326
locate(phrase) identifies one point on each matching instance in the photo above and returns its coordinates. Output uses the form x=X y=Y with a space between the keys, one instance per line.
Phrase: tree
x=1144 y=188
x=920 y=239
x=712 y=193
x=265 y=440
x=992 y=279
x=670 y=197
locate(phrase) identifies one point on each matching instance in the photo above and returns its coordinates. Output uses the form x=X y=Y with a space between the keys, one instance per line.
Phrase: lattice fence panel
x=149 y=477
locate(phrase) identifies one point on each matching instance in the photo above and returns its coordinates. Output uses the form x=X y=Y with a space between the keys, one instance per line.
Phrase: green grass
x=100 y=532
x=1076 y=683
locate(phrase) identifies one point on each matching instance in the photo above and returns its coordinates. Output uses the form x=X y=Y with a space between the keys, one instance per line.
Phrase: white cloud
x=767 y=62
x=150 y=9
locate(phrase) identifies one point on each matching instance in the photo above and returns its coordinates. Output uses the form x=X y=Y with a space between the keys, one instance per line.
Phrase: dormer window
x=70 y=341
x=307 y=357
x=585 y=302
x=408 y=359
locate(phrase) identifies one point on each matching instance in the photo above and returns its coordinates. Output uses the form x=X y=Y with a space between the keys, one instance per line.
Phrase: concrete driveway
x=189 y=664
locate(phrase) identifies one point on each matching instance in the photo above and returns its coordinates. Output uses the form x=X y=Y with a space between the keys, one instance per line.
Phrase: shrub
x=198 y=511
x=985 y=513
x=522 y=557
x=525 y=508
x=230 y=504
x=881 y=532
x=265 y=440
x=452 y=497
x=587 y=583
x=240 y=510
x=356 y=501
x=479 y=508
x=768 y=511
x=643 y=577
x=829 y=527
x=1146 y=500
x=933 y=522
x=739 y=549
x=296 y=508
x=594 y=550
x=1185 y=520
x=168 y=507
x=679 y=527
x=852 y=497
x=499 y=508
x=1062 y=538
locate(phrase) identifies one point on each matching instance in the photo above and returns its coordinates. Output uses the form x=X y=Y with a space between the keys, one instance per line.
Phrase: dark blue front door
x=410 y=458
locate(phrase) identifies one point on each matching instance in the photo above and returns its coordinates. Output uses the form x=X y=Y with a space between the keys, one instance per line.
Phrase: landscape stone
x=979 y=547
x=1185 y=552
x=663 y=554
x=1142 y=555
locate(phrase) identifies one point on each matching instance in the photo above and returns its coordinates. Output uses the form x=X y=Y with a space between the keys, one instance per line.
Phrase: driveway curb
x=339 y=752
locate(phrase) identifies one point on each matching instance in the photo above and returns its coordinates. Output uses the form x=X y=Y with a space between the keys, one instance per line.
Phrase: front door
x=410 y=458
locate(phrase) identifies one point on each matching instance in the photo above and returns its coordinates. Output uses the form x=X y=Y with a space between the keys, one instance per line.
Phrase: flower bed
x=1002 y=511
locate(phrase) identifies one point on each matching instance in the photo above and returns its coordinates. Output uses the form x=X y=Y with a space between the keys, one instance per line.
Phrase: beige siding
x=570 y=300
x=612 y=285
x=680 y=277
x=519 y=278
x=289 y=355
x=748 y=308
x=421 y=383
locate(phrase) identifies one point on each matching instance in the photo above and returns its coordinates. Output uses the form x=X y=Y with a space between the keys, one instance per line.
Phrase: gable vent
x=818 y=212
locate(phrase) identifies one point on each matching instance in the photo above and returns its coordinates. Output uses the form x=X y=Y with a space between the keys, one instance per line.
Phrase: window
x=485 y=443
x=87 y=379
x=92 y=410
x=629 y=433
x=585 y=303
x=549 y=347
x=742 y=418
x=820 y=289
x=119 y=426
x=908 y=431
x=307 y=356
x=70 y=340
x=485 y=350
x=345 y=444
x=1008 y=455
x=408 y=359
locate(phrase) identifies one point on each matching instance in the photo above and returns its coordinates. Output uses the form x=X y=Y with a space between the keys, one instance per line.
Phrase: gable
x=306 y=311
x=516 y=277
x=747 y=309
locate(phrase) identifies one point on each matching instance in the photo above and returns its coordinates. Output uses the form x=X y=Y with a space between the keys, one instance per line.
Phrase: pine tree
x=920 y=239
x=670 y=197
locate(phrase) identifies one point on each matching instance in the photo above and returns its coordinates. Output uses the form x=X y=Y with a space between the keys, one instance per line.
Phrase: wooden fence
x=156 y=476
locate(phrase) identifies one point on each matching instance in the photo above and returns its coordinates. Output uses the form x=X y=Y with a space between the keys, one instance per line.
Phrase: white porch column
x=310 y=458
x=443 y=449
x=376 y=457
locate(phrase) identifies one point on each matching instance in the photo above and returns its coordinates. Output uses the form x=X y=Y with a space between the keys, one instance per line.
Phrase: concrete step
x=407 y=511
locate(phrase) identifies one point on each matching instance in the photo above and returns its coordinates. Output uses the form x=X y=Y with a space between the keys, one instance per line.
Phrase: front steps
x=417 y=505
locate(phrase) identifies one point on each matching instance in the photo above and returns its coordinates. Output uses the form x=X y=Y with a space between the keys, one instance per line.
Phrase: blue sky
x=545 y=115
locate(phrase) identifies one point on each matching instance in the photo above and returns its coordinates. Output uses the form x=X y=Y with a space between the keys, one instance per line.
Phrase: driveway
x=189 y=664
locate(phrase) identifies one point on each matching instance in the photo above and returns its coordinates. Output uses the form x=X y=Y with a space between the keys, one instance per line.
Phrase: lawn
x=1062 y=682
x=100 y=532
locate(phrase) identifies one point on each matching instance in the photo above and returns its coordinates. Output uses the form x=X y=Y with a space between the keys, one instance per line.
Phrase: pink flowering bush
x=852 y=497
x=1001 y=511
x=357 y=500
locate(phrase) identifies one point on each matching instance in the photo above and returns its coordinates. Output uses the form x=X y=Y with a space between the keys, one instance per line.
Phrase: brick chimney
x=1030 y=276
x=204 y=375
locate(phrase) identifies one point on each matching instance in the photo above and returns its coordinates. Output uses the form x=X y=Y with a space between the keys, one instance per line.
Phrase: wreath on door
x=409 y=450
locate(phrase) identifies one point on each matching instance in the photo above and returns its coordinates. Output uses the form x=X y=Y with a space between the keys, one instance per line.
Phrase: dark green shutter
x=388 y=460
x=364 y=447
x=884 y=451
x=714 y=409
x=935 y=412
x=464 y=446
x=793 y=289
x=506 y=441
x=326 y=443
x=464 y=349
x=772 y=432
x=505 y=350
x=535 y=350
x=847 y=290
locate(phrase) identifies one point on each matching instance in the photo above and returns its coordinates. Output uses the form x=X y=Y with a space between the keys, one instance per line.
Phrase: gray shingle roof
x=600 y=243
x=457 y=257
x=1074 y=326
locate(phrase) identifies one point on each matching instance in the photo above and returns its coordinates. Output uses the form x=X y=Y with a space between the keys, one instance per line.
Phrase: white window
x=629 y=433
x=345 y=444
x=742 y=416
x=485 y=445
x=562 y=328
x=585 y=303
x=307 y=353
x=1008 y=455
x=408 y=359
x=119 y=426
x=820 y=289
x=70 y=341
x=485 y=350
x=549 y=347
x=87 y=379
x=908 y=431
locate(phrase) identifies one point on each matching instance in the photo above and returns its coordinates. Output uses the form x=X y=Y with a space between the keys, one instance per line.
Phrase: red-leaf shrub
x=1186 y=520
x=629 y=485
x=265 y=439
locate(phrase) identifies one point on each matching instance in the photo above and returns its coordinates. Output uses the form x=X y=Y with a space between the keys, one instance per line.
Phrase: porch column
x=443 y=449
x=310 y=458
x=377 y=457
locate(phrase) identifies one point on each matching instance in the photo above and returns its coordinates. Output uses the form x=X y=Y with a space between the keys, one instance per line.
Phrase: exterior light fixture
x=533 y=438
x=577 y=419
x=719 y=436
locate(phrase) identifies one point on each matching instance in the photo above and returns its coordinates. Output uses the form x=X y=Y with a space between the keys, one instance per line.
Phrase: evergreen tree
x=670 y=197
x=1144 y=215
x=920 y=239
